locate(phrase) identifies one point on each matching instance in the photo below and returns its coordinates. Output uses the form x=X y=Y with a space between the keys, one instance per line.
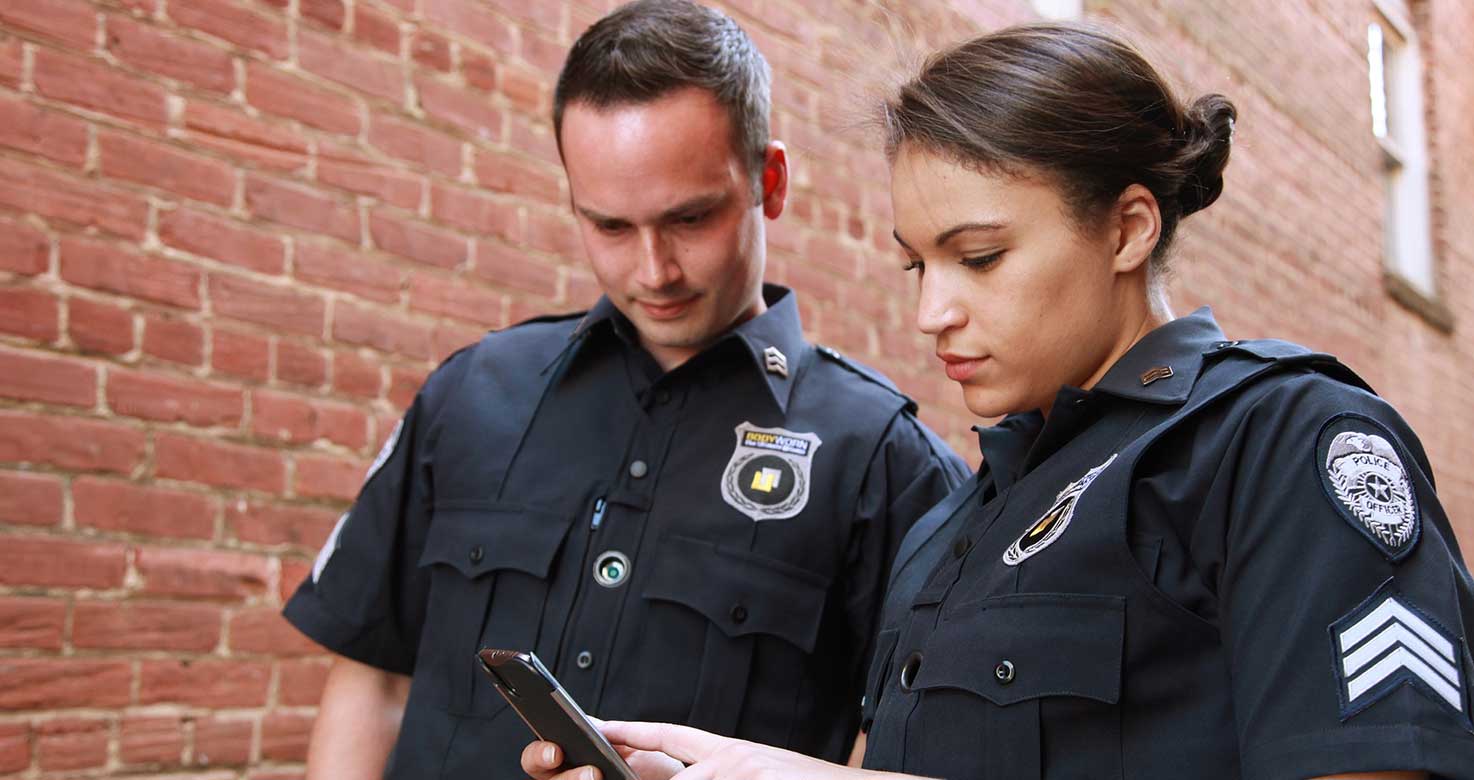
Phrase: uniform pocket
x=488 y=581
x=742 y=609
x=1004 y=681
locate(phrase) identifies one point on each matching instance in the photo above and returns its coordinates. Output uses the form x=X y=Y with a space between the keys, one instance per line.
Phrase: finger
x=679 y=742
x=539 y=759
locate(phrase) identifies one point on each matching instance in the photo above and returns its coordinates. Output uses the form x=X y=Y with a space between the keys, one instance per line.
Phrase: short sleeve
x=1344 y=600
x=365 y=597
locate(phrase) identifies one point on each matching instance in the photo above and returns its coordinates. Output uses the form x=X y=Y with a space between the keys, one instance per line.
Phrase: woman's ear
x=1138 y=223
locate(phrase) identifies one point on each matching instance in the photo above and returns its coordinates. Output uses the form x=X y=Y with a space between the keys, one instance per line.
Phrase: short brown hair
x=649 y=48
x=1075 y=103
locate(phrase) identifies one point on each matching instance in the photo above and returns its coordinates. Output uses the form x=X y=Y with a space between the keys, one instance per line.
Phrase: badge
x=1364 y=476
x=1054 y=522
x=768 y=475
x=1387 y=642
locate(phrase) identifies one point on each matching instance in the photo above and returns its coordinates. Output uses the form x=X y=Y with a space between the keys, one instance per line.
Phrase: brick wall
x=235 y=235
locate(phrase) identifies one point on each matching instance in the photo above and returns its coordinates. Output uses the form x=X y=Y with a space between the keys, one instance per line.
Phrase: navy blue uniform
x=705 y=546
x=1225 y=560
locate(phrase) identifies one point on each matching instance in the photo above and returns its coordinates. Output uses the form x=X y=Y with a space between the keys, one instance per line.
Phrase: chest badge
x=1365 y=478
x=1054 y=521
x=768 y=475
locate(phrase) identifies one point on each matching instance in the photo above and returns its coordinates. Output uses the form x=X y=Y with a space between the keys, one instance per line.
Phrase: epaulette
x=1291 y=354
x=865 y=372
x=549 y=318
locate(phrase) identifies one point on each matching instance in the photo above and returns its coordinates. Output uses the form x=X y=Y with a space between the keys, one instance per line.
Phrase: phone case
x=548 y=710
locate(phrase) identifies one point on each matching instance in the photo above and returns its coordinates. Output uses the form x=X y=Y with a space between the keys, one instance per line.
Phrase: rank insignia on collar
x=769 y=473
x=775 y=361
x=1054 y=521
x=1366 y=479
x=1387 y=642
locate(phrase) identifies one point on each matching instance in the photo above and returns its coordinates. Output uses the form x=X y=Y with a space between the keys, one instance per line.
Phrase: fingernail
x=589 y=774
x=550 y=754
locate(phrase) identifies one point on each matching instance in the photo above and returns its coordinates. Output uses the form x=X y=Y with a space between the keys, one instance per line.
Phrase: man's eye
x=913 y=265
x=610 y=227
x=691 y=219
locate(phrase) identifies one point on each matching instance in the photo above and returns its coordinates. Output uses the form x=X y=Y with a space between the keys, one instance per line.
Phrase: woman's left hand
x=712 y=757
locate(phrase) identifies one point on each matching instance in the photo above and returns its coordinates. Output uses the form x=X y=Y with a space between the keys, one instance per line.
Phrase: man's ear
x=1137 y=222
x=775 y=179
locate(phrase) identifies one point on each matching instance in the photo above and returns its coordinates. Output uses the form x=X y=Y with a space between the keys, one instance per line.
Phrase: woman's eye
x=982 y=261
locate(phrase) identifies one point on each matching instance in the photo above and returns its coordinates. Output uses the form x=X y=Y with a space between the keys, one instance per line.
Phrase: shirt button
x=662 y=396
x=639 y=469
x=739 y=614
x=611 y=568
x=477 y=553
x=585 y=660
x=909 y=670
x=1004 y=672
x=961 y=546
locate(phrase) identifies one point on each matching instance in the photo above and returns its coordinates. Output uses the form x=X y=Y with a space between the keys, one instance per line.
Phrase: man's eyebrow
x=698 y=203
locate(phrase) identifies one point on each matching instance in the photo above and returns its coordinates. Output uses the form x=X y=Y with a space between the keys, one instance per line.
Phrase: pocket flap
x=739 y=591
x=1013 y=648
x=478 y=540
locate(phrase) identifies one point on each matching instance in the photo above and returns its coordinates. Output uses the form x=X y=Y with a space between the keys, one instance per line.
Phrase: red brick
x=375 y=28
x=293 y=574
x=455 y=298
x=33 y=377
x=30 y=499
x=99 y=327
x=431 y=50
x=222 y=239
x=71 y=743
x=475 y=213
x=148 y=48
x=329 y=13
x=233 y=22
x=241 y=355
x=449 y=337
x=367 y=73
x=81 y=203
x=544 y=52
x=299 y=207
x=151 y=740
x=285 y=95
x=94 y=84
x=240 y=137
x=35 y=624
x=111 y=267
x=15 y=747
x=158 y=165
x=12 y=62
x=23 y=249
x=60 y=563
x=173 y=399
x=479 y=69
x=203 y=573
x=510 y=173
x=349 y=270
x=324 y=477
x=264 y=631
x=284 y=736
x=172 y=339
x=209 y=684
x=69 y=443
x=341 y=167
x=555 y=233
x=281 y=307
x=218 y=463
x=222 y=742
x=468 y=110
x=299 y=421
x=471 y=19
x=415 y=241
x=110 y=505
x=301 y=682
x=28 y=313
x=63 y=683
x=37 y=131
x=70 y=21
x=546 y=16
x=511 y=268
x=534 y=137
x=255 y=522
x=300 y=364
x=108 y=625
x=404 y=383
x=384 y=332
x=417 y=144
x=356 y=376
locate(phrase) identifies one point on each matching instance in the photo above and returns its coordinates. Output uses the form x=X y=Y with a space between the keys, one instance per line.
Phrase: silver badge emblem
x=1369 y=480
x=768 y=475
x=776 y=361
x=1054 y=521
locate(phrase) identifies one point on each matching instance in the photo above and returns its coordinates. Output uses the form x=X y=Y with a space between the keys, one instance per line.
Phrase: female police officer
x=1184 y=555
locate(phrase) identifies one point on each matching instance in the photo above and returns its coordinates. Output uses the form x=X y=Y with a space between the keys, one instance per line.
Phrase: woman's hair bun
x=1208 y=131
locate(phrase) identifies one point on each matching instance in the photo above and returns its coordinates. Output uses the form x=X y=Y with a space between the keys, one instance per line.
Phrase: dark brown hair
x=1075 y=103
x=650 y=48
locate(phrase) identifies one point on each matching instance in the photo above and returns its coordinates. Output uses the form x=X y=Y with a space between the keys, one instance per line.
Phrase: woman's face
x=1021 y=299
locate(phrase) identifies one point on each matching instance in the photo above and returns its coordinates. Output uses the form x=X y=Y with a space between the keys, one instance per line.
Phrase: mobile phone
x=550 y=712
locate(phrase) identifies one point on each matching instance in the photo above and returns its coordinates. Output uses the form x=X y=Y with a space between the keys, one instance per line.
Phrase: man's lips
x=666 y=310
x=959 y=367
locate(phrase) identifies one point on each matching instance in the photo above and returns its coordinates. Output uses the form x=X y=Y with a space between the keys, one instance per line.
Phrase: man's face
x=665 y=206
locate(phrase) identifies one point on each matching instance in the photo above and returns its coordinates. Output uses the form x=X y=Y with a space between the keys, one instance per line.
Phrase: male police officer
x=685 y=509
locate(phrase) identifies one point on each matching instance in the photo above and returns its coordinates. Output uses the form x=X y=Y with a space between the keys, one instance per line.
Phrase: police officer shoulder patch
x=1055 y=520
x=768 y=475
x=1364 y=473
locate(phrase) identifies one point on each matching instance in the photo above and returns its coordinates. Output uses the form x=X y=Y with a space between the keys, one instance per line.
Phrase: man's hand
x=357 y=722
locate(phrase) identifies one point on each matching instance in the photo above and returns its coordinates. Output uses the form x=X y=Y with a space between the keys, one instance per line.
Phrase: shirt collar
x=1164 y=364
x=774 y=340
x=1005 y=445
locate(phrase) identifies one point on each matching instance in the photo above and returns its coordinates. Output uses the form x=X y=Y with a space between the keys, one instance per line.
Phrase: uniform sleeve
x=911 y=471
x=365 y=598
x=1345 y=604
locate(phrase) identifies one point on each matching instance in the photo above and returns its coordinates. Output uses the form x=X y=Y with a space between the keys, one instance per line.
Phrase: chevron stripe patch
x=1387 y=642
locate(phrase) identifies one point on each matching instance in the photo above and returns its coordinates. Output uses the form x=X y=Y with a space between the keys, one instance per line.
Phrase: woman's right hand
x=540 y=760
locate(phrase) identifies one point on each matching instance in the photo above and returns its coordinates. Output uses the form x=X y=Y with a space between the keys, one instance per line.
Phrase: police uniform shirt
x=705 y=546
x=1225 y=560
